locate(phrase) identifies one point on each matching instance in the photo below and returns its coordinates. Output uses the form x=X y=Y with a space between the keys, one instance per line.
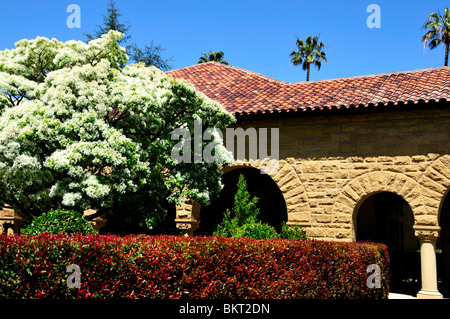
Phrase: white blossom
x=86 y=129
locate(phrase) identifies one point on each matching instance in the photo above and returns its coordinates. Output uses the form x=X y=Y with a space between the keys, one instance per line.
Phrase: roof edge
x=316 y=81
x=231 y=67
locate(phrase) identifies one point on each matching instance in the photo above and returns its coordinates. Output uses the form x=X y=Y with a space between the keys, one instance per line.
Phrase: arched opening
x=166 y=226
x=387 y=218
x=443 y=247
x=272 y=207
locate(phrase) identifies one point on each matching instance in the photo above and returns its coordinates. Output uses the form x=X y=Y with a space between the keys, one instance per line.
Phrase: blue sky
x=256 y=35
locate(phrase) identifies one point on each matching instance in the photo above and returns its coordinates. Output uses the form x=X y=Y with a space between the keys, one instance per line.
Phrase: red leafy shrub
x=195 y=267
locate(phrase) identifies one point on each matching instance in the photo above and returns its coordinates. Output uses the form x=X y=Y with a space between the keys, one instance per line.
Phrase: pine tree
x=150 y=55
x=245 y=222
x=111 y=22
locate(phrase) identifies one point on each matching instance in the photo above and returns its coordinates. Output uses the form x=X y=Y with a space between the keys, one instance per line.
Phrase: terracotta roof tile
x=243 y=91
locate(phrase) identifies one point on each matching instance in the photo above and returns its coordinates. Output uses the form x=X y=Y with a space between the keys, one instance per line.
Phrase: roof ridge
x=232 y=67
x=257 y=74
x=245 y=92
x=374 y=75
x=316 y=81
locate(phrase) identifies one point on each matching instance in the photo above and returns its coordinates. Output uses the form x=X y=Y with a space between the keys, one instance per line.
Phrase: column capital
x=10 y=220
x=187 y=226
x=97 y=222
x=425 y=232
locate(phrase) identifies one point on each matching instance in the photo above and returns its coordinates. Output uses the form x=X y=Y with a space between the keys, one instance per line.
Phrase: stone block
x=419 y=158
x=298 y=207
x=320 y=218
x=310 y=167
x=402 y=160
x=361 y=166
x=426 y=220
x=299 y=217
x=414 y=175
x=341 y=174
x=315 y=195
x=375 y=167
x=436 y=175
x=394 y=168
x=329 y=166
x=442 y=167
x=342 y=218
x=312 y=177
x=432 y=185
x=384 y=159
x=342 y=208
x=427 y=191
x=343 y=234
x=407 y=187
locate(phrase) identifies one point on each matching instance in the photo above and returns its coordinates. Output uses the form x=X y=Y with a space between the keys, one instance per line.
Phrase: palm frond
x=213 y=56
x=310 y=51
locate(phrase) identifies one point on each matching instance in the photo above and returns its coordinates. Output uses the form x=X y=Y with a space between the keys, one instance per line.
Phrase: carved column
x=98 y=222
x=187 y=218
x=10 y=220
x=428 y=236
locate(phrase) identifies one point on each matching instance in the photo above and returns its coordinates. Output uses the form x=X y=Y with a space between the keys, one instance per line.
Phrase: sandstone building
x=360 y=159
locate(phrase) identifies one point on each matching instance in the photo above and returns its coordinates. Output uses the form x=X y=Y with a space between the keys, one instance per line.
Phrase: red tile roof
x=245 y=92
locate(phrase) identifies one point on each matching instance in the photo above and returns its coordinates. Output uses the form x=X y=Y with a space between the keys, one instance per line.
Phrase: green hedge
x=188 y=267
x=59 y=221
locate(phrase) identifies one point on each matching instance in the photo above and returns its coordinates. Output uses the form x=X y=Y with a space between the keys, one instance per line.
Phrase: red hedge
x=182 y=267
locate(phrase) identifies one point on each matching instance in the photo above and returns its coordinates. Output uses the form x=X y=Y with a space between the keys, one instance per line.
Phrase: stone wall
x=330 y=163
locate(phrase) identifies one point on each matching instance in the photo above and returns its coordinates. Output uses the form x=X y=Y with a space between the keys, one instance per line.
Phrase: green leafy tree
x=309 y=52
x=150 y=55
x=79 y=131
x=292 y=232
x=438 y=32
x=59 y=221
x=111 y=22
x=245 y=222
x=213 y=56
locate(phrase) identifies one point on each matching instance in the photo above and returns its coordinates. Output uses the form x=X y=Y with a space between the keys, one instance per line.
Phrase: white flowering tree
x=80 y=129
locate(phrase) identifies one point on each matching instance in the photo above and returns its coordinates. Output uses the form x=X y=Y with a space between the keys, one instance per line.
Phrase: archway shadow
x=271 y=202
x=443 y=248
x=387 y=218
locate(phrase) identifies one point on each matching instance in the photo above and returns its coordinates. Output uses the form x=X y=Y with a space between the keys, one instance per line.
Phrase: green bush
x=228 y=225
x=292 y=232
x=175 y=267
x=59 y=221
x=257 y=230
x=245 y=222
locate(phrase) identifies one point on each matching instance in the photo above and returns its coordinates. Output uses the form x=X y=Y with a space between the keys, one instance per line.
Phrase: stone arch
x=436 y=179
x=435 y=183
x=290 y=186
x=357 y=190
x=284 y=176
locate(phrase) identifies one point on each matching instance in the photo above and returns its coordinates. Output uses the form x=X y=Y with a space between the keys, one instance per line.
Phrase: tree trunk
x=446 y=53
x=308 y=70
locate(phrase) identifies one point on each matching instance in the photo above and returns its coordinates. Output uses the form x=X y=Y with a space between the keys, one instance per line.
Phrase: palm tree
x=438 y=27
x=309 y=52
x=212 y=56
